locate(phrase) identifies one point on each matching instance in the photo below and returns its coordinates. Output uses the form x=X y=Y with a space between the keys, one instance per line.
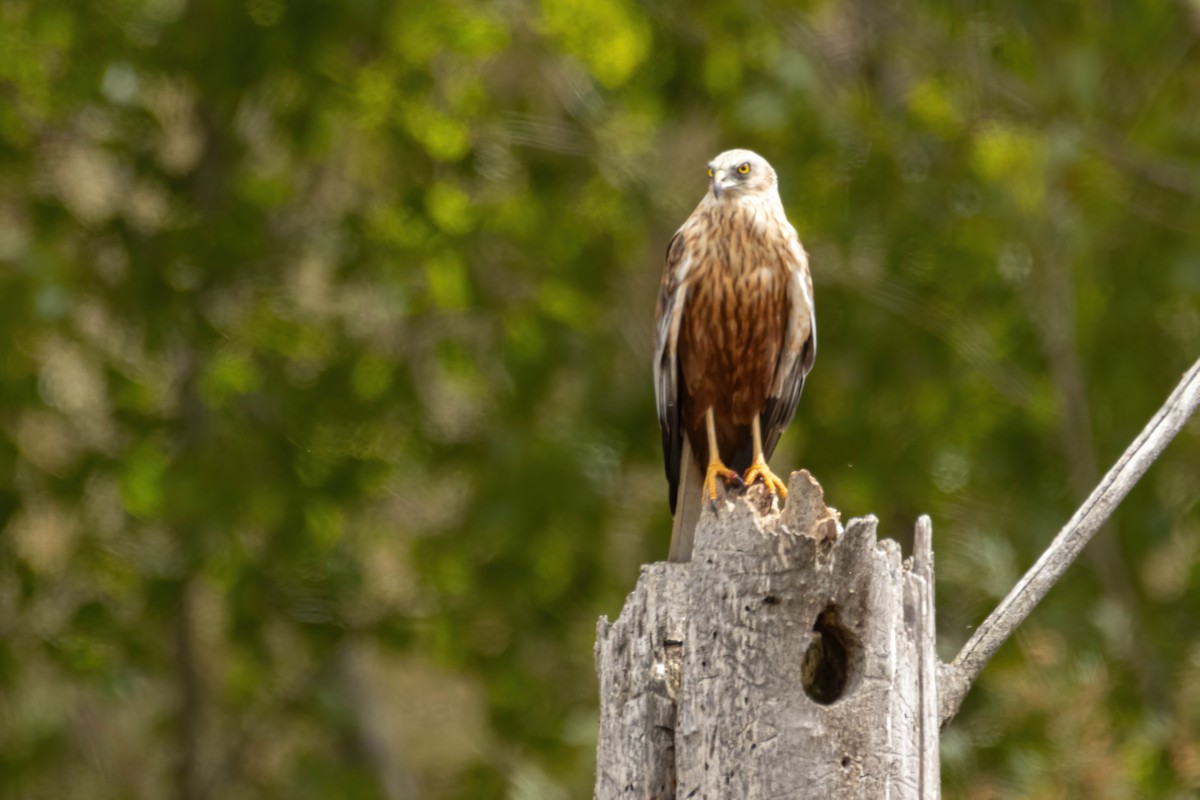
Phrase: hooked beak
x=718 y=183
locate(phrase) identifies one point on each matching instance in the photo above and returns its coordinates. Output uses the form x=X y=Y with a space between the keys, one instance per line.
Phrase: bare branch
x=956 y=678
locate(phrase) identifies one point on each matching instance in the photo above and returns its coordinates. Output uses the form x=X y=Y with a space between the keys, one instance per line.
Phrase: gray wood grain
x=703 y=676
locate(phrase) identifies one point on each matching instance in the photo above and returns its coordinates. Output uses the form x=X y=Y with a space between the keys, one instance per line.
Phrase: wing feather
x=668 y=387
x=798 y=353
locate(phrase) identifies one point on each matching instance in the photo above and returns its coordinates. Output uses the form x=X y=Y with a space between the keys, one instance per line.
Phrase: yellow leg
x=759 y=469
x=716 y=468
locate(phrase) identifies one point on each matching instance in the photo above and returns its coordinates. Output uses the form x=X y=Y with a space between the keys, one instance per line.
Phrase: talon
x=718 y=470
x=760 y=470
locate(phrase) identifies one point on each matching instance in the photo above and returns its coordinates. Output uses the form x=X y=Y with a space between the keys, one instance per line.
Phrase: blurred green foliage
x=326 y=421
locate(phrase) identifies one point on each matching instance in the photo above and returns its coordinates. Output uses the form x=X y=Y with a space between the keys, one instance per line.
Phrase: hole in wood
x=827 y=662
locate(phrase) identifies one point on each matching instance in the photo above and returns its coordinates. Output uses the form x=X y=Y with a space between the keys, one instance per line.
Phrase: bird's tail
x=688 y=505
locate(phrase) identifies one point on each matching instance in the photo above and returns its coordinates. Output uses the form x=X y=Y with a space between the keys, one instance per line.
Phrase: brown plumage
x=736 y=336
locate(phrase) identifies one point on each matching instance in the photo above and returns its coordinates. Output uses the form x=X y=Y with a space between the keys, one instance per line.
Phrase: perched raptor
x=736 y=335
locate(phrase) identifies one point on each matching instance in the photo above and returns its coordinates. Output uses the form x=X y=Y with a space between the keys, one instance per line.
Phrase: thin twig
x=955 y=679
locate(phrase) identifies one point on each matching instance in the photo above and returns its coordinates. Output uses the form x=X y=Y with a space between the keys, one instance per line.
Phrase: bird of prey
x=736 y=335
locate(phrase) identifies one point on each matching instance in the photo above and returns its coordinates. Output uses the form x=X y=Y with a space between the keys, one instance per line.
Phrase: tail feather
x=689 y=504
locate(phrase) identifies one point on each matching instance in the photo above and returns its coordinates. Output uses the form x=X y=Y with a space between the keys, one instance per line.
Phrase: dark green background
x=326 y=419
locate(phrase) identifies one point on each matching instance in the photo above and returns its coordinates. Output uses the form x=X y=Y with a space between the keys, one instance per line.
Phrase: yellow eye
x=710 y=172
x=744 y=169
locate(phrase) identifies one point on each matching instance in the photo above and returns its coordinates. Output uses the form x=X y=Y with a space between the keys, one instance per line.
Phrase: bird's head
x=740 y=173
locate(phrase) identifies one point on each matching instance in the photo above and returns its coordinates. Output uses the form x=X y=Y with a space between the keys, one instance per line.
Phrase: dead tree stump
x=788 y=659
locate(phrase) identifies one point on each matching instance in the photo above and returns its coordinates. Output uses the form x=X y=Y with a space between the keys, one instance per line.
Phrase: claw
x=718 y=470
x=775 y=485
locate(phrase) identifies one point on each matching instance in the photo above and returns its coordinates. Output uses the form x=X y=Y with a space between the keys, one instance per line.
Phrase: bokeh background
x=326 y=419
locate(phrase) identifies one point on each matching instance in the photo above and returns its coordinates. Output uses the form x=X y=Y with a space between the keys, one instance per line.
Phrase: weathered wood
x=926 y=623
x=788 y=659
x=638 y=660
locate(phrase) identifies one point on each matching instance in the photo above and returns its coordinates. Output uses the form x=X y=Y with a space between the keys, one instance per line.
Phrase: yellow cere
x=710 y=172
